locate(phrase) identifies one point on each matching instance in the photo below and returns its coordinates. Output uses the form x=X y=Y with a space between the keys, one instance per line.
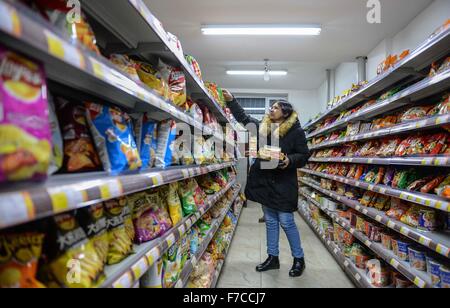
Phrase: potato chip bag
x=207 y=183
x=172 y=260
x=126 y=65
x=57 y=140
x=198 y=149
x=173 y=202
x=20 y=253
x=183 y=152
x=146 y=138
x=25 y=137
x=73 y=261
x=94 y=223
x=153 y=79
x=200 y=196
x=176 y=80
x=119 y=237
x=145 y=220
x=113 y=135
x=165 y=150
x=187 y=198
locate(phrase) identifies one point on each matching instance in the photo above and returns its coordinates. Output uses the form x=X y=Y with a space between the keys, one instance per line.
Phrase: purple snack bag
x=25 y=136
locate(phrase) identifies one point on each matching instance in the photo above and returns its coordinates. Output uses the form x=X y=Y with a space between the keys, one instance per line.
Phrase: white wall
x=346 y=75
x=322 y=95
x=414 y=34
x=306 y=103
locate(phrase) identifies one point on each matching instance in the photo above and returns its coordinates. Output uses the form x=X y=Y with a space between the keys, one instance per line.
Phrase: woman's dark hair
x=286 y=107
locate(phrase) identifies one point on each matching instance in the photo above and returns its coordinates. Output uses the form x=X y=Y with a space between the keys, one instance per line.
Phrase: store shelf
x=423 y=124
x=222 y=262
x=129 y=271
x=424 y=88
x=26 y=202
x=427 y=200
x=67 y=62
x=190 y=265
x=434 y=161
x=431 y=50
x=420 y=279
x=139 y=32
x=436 y=241
x=356 y=274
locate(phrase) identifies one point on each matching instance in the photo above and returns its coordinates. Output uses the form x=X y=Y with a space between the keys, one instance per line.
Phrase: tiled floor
x=249 y=249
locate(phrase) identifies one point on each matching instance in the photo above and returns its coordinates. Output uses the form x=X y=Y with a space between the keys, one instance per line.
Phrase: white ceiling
x=345 y=35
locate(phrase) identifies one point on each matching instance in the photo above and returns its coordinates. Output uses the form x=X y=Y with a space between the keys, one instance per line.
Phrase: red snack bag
x=435 y=143
x=432 y=184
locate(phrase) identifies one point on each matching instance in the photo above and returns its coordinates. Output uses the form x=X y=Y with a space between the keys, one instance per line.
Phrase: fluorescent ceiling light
x=261 y=30
x=256 y=73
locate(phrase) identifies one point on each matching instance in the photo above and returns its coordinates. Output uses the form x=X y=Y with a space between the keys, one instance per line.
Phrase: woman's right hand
x=227 y=95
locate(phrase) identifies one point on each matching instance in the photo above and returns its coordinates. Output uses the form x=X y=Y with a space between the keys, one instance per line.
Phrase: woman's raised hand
x=227 y=95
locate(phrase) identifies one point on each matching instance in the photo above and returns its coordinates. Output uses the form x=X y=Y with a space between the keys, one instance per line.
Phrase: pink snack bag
x=25 y=136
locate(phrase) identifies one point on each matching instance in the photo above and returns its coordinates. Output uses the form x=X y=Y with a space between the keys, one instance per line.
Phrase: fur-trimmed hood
x=282 y=129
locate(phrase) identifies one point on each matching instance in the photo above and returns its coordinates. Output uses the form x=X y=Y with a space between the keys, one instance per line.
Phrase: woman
x=277 y=189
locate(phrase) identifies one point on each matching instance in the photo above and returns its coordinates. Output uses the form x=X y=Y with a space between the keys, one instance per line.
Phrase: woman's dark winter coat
x=276 y=188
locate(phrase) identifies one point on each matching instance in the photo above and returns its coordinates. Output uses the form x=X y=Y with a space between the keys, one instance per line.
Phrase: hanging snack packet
x=67 y=247
x=153 y=79
x=20 y=256
x=94 y=223
x=165 y=145
x=187 y=198
x=57 y=140
x=25 y=137
x=120 y=242
x=113 y=134
x=79 y=151
x=176 y=80
x=146 y=138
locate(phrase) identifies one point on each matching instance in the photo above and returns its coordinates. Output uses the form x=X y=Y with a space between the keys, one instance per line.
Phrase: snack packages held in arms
x=126 y=65
x=153 y=79
x=113 y=134
x=20 y=256
x=67 y=243
x=187 y=198
x=94 y=223
x=146 y=138
x=165 y=145
x=176 y=80
x=120 y=241
x=25 y=137
x=79 y=151
x=57 y=140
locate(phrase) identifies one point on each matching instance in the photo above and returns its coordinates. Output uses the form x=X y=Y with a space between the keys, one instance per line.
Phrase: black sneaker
x=262 y=220
x=271 y=263
x=298 y=268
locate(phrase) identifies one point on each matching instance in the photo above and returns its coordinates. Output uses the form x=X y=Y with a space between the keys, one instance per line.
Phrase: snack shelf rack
x=146 y=36
x=190 y=265
x=129 y=271
x=222 y=262
x=420 y=279
x=436 y=241
x=427 y=87
x=357 y=275
x=67 y=62
x=22 y=203
x=427 y=123
x=434 y=48
x=436 y=161
x=419 y=198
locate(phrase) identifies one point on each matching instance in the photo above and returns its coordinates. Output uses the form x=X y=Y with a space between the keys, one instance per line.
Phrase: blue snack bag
x=165 y=154
x=146 y=138
x=112 y=132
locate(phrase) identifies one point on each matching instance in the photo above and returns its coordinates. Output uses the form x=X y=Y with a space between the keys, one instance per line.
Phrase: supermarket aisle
x=248 y=249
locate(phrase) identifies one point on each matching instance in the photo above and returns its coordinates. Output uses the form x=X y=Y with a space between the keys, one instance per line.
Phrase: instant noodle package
x=25 y=136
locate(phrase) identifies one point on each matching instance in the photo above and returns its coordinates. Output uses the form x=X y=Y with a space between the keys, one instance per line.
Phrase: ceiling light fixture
x=267 y=73
x=261 y=29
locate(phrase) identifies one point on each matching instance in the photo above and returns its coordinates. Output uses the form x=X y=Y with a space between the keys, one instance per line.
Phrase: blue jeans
x=274 y=219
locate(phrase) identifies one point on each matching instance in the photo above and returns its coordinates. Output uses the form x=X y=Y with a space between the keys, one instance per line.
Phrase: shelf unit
x=190 y=265
x=129 y=271
x=436 y=241
x=434 y=48
x=436 y=161
x=420 y=279
x=428 y=200
x=357 y=275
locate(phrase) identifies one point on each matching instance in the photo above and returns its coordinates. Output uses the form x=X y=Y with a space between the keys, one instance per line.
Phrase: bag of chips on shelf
x=25 y=136
x=119 y=236
x=418 y=184
x=195 y=66
x=21 y=251
x=415 y=113
x=170 y=192
x=165 y=154
x=146 y=138
x=145 y=221
x=176 y=80
x=194 y=240
x=94 y=223
x=113 y=135
x=183 y=152
x=435 y=144
x=444 y=107
x=397 y=209
x=71 y=259
x=431 y=185
x=172 y=266
x=208 y=184
x=367 y=198
x=200 y=196
x=411 y=217
x=443 y=189
x=195 y=111
x=187 y=198
x=153 y=79
x=382 y=203
x=57 y=159
x=126 y=65
x=198 y=149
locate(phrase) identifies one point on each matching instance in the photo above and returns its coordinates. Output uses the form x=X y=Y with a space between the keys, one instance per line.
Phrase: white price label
x=10 y=21
x=358 y=277
x=15 y=208
x=346 y=263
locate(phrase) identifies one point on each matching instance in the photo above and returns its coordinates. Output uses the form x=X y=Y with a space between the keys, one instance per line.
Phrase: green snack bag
x=187 y=199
